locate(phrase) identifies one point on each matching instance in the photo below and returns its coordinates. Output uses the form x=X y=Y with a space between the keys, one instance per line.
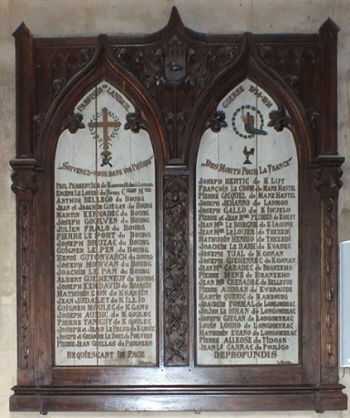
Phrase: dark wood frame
x=299 y=72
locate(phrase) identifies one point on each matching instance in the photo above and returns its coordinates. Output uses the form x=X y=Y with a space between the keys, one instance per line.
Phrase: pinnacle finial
x=175 y=18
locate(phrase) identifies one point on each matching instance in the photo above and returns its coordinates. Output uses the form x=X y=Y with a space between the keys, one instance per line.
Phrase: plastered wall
x=92 y=17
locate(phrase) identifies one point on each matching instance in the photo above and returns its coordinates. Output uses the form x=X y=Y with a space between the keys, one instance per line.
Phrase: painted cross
x=105 y=124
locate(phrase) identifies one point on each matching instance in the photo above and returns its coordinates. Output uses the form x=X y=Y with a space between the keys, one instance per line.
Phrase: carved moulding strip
x=328 y=183
x=187 y=398
x=176 y=272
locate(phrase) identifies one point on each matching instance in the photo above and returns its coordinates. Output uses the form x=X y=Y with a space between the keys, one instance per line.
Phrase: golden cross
x=105 y=125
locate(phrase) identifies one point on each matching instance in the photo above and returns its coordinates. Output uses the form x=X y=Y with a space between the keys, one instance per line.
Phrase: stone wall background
x=92 y=17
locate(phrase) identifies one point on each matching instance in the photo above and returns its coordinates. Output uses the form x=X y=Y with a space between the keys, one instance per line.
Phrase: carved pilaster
x=328 y=183
x=328 y=103
x=176 y=272
x=24 y=90
x=24 y=186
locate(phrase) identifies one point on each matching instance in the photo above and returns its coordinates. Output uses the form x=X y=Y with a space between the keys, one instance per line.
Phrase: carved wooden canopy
x=172 y=84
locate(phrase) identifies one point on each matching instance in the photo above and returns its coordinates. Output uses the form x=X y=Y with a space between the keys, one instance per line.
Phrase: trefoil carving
x=135 y=122
x=72 y=122
x=217 y=121
x=279 y=119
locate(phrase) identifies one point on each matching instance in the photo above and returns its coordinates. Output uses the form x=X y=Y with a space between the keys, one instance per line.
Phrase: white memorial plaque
x=247 y=237
x=105 y=244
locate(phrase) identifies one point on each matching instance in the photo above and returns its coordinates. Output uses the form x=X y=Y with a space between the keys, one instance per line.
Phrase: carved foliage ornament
x=176 y=276
x=175 y=74
x=328 y=182
x=135 y=122
x=23 y=181
x=72 y=122
x=330 y=225
x=175 y=63
x=217 y=121
x=24 y=276
x=329 y=179
x=279 y=119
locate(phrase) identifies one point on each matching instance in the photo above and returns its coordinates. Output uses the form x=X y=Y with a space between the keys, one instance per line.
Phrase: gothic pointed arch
x=62 y=113
x=288 y=112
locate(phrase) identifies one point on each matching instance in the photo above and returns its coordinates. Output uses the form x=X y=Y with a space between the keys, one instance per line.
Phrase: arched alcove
x=105 y=237
x=247 y=223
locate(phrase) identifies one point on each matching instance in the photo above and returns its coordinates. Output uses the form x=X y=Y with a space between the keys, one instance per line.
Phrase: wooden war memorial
x=177 y=222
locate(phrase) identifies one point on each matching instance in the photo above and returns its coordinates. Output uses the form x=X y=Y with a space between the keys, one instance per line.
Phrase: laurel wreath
x=94 y=131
